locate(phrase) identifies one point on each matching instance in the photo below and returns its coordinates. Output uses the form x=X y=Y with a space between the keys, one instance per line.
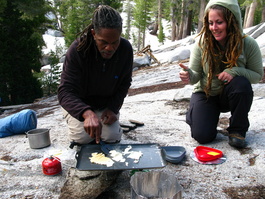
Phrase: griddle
x=152 y=157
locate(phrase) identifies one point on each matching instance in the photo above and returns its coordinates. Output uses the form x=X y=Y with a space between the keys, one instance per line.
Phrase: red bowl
x=206 y=154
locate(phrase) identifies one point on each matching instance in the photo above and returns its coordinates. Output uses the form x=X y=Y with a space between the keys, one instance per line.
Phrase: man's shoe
x=237 y=141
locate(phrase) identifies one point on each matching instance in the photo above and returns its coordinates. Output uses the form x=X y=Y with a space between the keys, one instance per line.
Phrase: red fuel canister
x=51 y=166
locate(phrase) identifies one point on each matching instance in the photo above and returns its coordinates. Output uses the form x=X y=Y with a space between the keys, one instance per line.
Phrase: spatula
x=104 y=147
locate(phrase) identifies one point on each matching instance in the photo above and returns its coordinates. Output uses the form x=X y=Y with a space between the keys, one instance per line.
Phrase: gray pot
x=39 y=138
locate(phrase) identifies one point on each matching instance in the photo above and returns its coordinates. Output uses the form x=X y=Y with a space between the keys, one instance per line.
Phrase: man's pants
x=110 y=133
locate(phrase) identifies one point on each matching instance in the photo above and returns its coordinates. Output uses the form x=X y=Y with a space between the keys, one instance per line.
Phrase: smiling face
x=107 y=41
x=218 y=26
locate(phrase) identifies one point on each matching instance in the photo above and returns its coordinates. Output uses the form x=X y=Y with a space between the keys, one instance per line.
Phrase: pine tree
x=161 y=35
x=75 y=15
x=128 y=10
x=21 y=30
x=141 y=14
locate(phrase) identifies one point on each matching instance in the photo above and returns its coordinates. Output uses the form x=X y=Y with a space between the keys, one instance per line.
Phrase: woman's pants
x=110 y=133
x=203 y=114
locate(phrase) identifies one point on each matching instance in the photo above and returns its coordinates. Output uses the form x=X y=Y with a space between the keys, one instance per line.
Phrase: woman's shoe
x=237 y=141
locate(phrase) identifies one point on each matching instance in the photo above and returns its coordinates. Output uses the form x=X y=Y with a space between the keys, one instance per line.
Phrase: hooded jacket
x=249 y=63
x=232 y=5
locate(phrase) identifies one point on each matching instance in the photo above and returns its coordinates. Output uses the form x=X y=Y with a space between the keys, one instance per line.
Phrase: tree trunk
x=159 y=13
x=173 y=22
x=180 y=30
x=184 y=32
x=246 y=16
x=189 y=23
x=144 y=28
x=173 y=30
x=263 y=14
x=182 y=21
x=139 y=40
x=143 y=39
x=201 y=15
x=177 y=31
x=250 y=19
x=128 y=20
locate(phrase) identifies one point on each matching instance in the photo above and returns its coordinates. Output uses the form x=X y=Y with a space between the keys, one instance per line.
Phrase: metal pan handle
x=76 y=155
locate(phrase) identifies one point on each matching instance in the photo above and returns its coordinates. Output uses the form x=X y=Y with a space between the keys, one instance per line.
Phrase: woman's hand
x=92 y=125
x=225 y=77
x=184 y=74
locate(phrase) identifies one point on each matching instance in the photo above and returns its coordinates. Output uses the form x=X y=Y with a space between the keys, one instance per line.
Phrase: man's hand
x=92 y=125
x=108 y=117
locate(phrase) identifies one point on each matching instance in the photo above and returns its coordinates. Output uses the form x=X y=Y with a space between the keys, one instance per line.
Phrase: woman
x=223 y=65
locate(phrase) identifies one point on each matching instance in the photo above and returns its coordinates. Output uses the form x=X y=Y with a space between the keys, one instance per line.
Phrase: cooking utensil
x=152 y=157
x=214 y=162
x=104 y=147
x=155 y=184
x=174 y=154
x=205 y=154
x=39 y=138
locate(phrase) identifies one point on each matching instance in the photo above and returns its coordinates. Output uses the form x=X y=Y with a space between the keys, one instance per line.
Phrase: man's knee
x=111 y=133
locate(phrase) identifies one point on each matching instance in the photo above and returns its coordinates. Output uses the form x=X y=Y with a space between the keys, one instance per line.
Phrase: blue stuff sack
x=18 y=123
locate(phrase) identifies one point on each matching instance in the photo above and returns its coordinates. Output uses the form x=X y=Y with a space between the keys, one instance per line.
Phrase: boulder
x=183 y=94
x=141 y=60
x=180 y=53
x=257 y=31
x=86 y=184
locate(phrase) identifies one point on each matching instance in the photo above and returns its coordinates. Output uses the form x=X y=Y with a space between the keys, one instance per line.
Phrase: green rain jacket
x=249 y=64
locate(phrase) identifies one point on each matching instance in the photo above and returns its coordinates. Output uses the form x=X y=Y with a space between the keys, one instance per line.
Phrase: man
x=95 y=79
